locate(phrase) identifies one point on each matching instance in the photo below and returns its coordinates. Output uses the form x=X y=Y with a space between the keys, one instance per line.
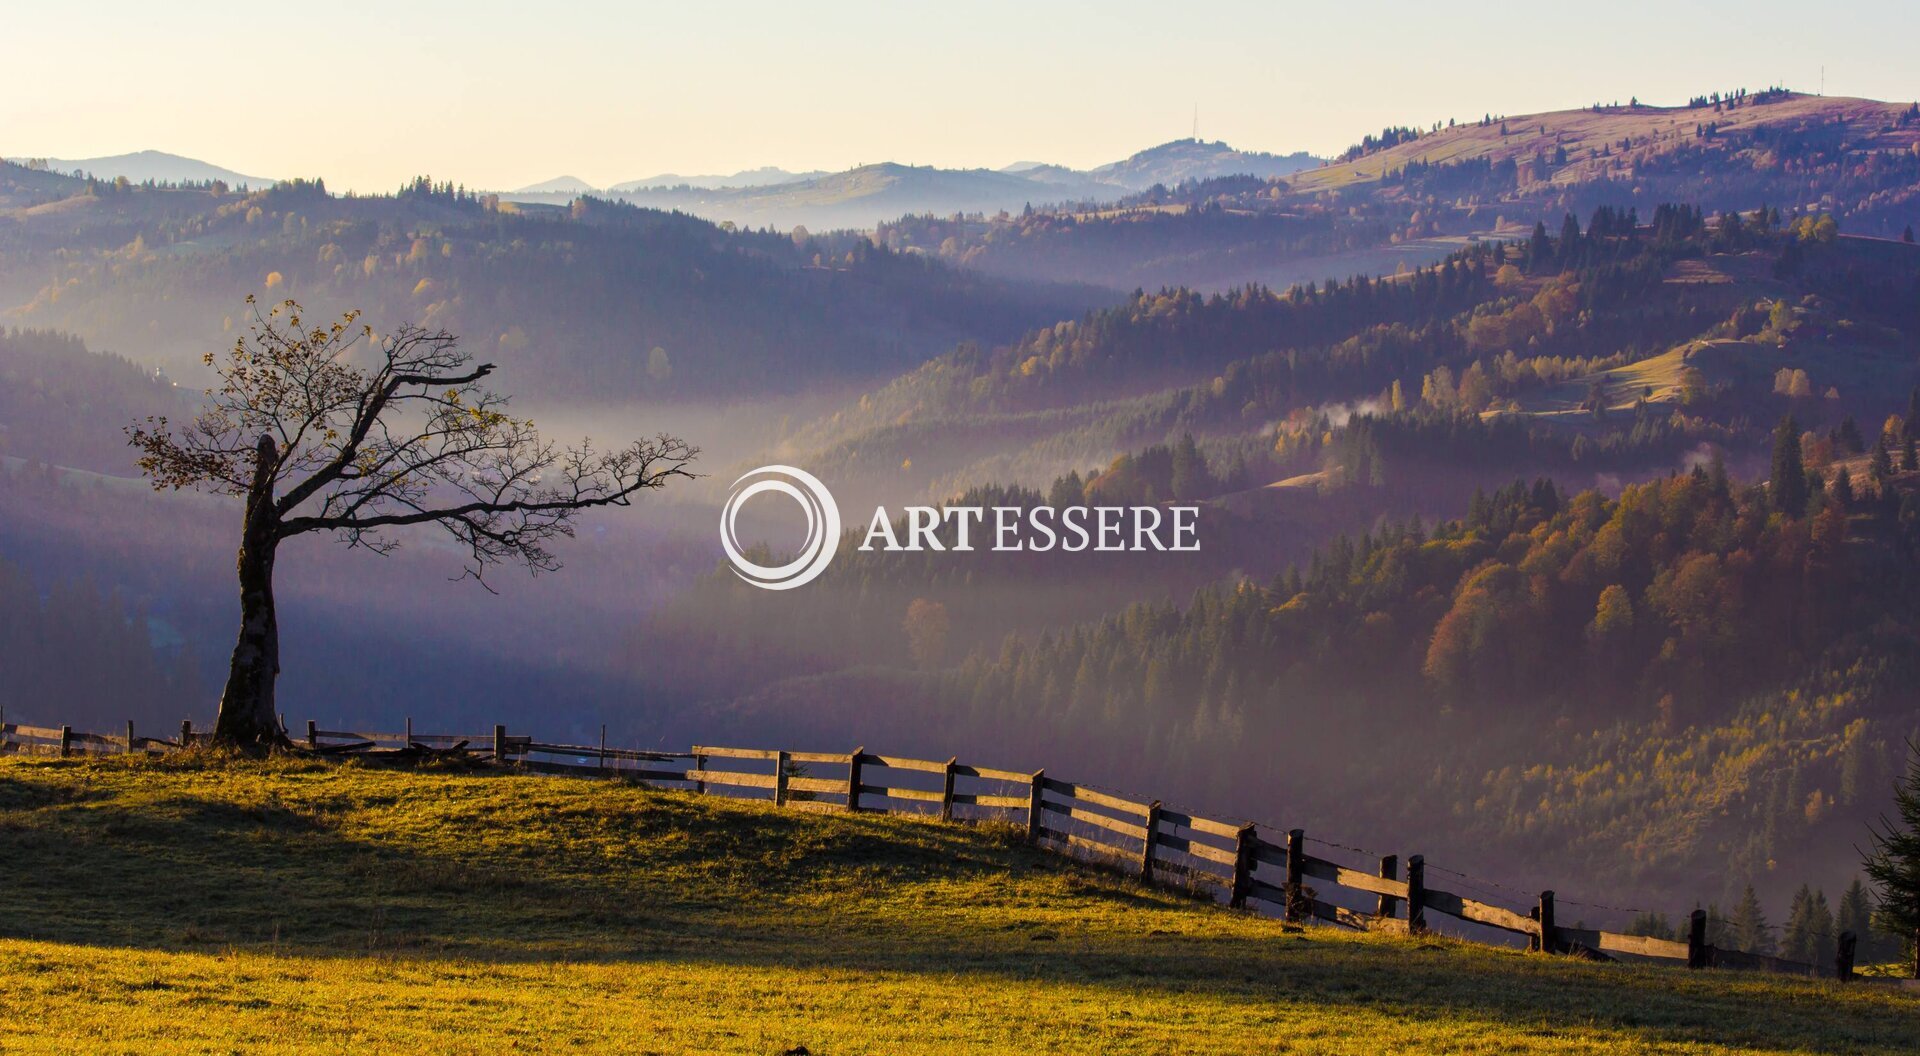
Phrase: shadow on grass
x=337 y=864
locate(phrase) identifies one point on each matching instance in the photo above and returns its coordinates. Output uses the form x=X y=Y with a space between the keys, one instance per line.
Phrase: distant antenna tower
x=1196 y=122
x=1823 y=80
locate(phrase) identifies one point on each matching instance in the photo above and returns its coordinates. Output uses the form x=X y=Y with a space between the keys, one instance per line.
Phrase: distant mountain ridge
x=870 y=194
x=764 y=176
x=559 y=185
x=155 y=165
x=1196 y=159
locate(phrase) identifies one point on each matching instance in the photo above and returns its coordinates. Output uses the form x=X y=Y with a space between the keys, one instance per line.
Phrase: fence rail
x=1142 y=837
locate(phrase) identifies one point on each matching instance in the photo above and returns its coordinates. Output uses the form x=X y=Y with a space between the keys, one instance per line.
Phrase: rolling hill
x=763 y=176
x=566 y=185
x=1195 y=159
x=861 y=197
x=156 y=166
x=452 y=912
x=864 y=196
x=1408 y=196
x=602 y=298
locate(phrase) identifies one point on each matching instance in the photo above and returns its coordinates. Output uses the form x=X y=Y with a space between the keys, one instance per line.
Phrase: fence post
x=1697 y=939
x=1153 y=832
x=1548 y=944
x=313 y=734
x=1033 y=805
x=1843 y=956
x=780 y=760
x=1243 y=844
x=946 y=790
x=186 y=734
x=853 y=780
x=499 y=744
x=1416 y=894
x=409 y=733
x=1296 y=869
x=129 y=736
x=700 y=764
x=603 y=747
x=66 y=741
x=1389 y=906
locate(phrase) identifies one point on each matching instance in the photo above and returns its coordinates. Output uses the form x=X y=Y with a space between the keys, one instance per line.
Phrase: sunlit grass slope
x=179 y=907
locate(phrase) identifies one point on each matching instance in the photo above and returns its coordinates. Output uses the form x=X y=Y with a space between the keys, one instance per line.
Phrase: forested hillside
x=1674 y=678
x=1407 y=192
x=1609 y=345
x=1681 y=690
x=60 y=403
x=603 y=300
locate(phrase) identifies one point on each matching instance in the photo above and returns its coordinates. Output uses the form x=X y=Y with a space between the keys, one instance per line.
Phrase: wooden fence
x=1234 y=861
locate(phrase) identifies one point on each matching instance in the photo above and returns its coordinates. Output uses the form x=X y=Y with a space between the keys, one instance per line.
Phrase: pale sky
x=368 y=94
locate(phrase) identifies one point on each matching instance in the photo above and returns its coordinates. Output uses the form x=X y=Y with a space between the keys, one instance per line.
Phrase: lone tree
x=1893 y=863
x=316 y=443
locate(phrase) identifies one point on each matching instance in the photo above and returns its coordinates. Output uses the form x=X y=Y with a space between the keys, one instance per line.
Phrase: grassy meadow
x=189 y=906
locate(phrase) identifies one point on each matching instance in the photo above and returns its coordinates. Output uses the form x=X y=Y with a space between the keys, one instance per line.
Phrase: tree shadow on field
x=508 y=869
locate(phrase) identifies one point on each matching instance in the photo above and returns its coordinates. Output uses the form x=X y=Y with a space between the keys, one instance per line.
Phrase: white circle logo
x=823 y=527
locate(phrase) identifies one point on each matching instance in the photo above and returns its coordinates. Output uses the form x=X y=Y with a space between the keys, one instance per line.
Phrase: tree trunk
x=248 y=718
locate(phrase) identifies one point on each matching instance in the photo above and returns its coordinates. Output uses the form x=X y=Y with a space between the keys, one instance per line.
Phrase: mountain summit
x=1196 y=159
x=158 y=166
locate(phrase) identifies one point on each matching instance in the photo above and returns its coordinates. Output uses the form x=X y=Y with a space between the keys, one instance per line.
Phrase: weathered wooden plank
x=817 y=785
x=1098 y=799
x=1479 y=912
x=895 y=762
x=915 y=794
x=738 y=753
x=37 y=732
x=731 y=777
x=1321 y=869
x=987 y=773
x=1341 y=915
x=1756 y=962
x=1265 y=892
x=1000 y=802
x=1274 y=854
x=1175 y=819
x=1124 y=828
x=1614 y=942
x=1104 y=850
x=819 y=757
x=583 y=750
x=1204 y=851
x=644 y=774
x=1168 y=873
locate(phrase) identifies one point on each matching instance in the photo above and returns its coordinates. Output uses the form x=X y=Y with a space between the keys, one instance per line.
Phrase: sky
x=497 y=96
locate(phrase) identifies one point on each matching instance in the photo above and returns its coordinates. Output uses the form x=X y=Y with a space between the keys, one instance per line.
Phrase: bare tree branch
x=410 y=438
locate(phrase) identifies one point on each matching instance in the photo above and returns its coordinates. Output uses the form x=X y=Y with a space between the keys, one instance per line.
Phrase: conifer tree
x=1788 y=486
x=1808 y=936
x=1893 y=861
x=1842 y=490
x=1855 y=914
x=1748 y=925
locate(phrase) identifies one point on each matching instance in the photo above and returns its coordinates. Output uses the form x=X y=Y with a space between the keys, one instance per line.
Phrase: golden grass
x=289 y=907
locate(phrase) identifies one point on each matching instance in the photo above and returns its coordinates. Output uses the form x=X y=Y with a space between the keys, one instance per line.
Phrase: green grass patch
x=176 y=906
